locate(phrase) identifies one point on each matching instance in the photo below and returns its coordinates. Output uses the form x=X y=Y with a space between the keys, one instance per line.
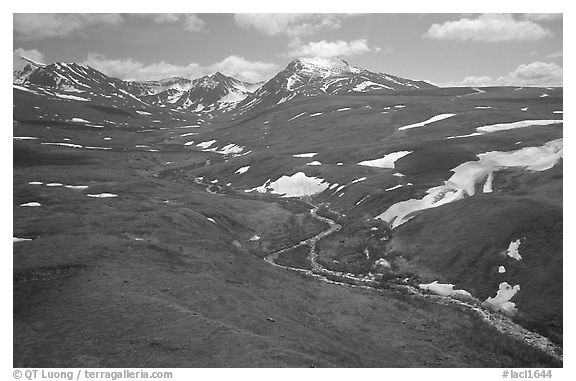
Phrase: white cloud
x=488 y=28
x=332 y=49
x=290 y=24
x=32 y=54
x=130 y=69
x=241 y=68
x=193 y=23
x=532 y=74
x=543 y=16
x=471 y=81
x=165 y=17
x=558 y=54
x=536 y=73
x=34 y=26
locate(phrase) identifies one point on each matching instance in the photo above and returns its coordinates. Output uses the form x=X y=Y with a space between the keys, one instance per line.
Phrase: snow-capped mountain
x=215 y=92
x=212 y=92
x=77 y=82
x=178 y=84
x=73 y=77
x=315 y=76
x=22 y=69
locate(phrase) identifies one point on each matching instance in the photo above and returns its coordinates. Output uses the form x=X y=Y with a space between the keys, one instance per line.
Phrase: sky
x=453 y=49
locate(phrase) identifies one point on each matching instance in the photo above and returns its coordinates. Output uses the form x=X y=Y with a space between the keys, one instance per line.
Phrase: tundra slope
x=508 y=169
x=187 y=256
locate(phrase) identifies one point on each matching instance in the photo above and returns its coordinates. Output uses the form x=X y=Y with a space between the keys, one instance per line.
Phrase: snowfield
x=310 y=154
x=387 y=161
x=242 y=170
x=520 y=124
x=71 y=145
x=206 y=144
x=297 y=116
x=512 y=250
x=16 y=239
x=502 y=299
x=31 y=204
x=428 y=121
x=362 y=86
x=443 y=289
x=230 y=149
x=392 y=188
x=467 y=175
x=296 y=185
x=102 y=195
x=464 y=136
x=72 y=97
x=358 y=180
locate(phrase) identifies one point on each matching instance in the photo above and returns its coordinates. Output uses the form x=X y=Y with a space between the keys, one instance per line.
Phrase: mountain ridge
x=218 y=92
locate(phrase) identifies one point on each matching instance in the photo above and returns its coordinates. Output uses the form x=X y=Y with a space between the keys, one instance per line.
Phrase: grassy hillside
x=465 y=243
x=165 y=273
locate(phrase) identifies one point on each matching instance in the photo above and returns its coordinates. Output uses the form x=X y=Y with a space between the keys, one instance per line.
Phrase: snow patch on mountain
x=467 y=175
x=464 y=136
x=393 y=188
x=512 y=250
x=31 y=204
x=17 y=239
x=296 y=116
x=363 y=85
x=71 y=97
x=502 y=299
x=242 y=170
x=428 y=121
x=325 y=67
x=296 y=185
x=309 y=154
x=102 y=195
x=519 y=124
x=385 y=162
x=206 y=144
x=443 y=289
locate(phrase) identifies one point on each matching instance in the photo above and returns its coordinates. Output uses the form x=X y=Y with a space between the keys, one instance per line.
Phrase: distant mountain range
x=303 y=77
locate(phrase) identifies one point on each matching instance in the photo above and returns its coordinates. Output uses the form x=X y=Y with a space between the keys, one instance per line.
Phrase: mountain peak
x=218 y=75
x=319 y=66
x=23 y=67
x=31 y=61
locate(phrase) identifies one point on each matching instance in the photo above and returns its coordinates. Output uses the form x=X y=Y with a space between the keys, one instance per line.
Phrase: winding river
x=504 y=324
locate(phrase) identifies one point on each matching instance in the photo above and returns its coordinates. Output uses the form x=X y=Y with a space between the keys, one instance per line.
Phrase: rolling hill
x=145 y=214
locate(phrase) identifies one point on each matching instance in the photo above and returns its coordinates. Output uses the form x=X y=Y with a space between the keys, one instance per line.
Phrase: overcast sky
x=445 y=49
